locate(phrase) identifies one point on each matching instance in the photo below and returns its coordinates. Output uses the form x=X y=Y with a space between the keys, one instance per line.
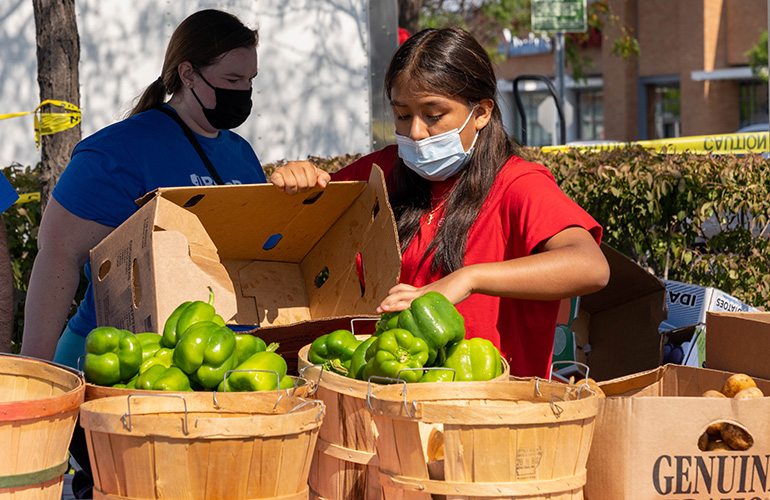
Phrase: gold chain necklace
x=433 y=212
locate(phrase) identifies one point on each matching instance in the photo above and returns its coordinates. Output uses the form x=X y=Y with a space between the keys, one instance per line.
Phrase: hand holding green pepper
x=433 y=318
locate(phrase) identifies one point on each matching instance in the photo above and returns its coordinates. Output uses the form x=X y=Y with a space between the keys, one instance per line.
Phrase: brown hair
x=450 y=62
x=201 y=39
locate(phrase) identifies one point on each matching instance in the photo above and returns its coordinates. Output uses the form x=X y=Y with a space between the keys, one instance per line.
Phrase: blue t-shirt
x=119 y=164
x=8 y=194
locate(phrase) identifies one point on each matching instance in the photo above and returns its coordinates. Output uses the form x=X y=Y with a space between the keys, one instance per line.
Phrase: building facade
x=691 y=78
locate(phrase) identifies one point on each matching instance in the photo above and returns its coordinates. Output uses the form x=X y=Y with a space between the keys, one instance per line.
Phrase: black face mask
x=232 y=107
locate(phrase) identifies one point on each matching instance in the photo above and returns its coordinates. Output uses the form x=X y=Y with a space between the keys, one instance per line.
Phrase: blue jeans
x=71 y=346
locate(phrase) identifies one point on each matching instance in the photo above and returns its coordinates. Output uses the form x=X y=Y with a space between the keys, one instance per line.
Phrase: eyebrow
x=434 y=102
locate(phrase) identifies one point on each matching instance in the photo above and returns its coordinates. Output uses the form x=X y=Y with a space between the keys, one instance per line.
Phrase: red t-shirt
x=524 y=208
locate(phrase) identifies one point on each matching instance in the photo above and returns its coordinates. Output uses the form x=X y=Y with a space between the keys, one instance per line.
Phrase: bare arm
x=569 y=264
x=63 y=242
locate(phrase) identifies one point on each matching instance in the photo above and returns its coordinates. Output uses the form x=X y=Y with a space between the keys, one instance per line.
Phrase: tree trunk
x=409 y=15
x=58 y=54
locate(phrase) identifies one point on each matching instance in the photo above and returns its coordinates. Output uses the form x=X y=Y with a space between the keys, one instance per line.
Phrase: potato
x=750 y=392
x=736 y=383
x=736 y=437
x=703 y=441
x=718 y=446
x=713 y=393
x=714 y=429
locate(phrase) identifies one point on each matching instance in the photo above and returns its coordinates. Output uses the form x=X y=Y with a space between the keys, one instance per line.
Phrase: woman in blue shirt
x=209 y=66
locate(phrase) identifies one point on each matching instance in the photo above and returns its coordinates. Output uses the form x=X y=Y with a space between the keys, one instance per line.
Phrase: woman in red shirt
x=490 y=231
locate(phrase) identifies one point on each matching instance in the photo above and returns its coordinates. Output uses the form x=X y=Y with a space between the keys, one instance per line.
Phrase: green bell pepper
x=205 y=351
x=269 y=363
x=112 y=356
x=160 y=378
x=334 y=351
x=471 y=359
x=358 y=361
x=388 y=321
x=131 y=384
x=433 y=318
x=187 y=314
x=150 y=342
x=246 y=345
x=395 y=350
x=163 y=356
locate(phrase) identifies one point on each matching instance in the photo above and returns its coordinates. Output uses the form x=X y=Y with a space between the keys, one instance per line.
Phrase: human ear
x=483 y=113
x=186 y=73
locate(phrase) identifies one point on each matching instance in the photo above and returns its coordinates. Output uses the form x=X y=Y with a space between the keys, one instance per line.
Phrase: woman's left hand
x=454 y=287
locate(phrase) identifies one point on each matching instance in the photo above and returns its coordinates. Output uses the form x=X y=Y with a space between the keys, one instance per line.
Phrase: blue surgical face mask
x=438 y=157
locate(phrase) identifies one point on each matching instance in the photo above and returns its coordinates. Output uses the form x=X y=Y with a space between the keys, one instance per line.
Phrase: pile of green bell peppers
x=195 y=352
x=424 y=343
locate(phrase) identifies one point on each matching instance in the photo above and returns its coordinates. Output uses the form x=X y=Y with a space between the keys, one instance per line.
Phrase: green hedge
x=691 y=218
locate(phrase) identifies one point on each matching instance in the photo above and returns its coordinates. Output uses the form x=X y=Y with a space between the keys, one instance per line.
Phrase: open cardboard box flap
x=271 y=259
x=620 y=322
x=739 y=342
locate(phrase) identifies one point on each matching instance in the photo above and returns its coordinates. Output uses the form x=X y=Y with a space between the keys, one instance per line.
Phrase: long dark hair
x=450 y=62
x=201 y=39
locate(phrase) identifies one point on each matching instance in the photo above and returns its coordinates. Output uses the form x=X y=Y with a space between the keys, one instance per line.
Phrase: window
x=537 y=136
x=752 y=103
x=665 y=108
x=591 y=114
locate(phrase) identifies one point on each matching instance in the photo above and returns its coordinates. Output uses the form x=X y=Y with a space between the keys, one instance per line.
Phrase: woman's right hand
x=298 y=177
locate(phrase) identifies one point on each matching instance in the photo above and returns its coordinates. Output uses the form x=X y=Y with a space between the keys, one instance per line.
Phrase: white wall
x=311 y=97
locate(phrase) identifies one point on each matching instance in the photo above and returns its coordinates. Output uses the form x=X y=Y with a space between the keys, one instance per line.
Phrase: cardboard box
x=616 y=329
x=645 y=443
x=688 y=304
x=690 y=341
x=294 y=266
x=739 y=342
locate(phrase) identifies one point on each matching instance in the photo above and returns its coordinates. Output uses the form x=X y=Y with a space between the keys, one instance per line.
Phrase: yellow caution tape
x=51 y=123
x=27 y=197
x=756 y=142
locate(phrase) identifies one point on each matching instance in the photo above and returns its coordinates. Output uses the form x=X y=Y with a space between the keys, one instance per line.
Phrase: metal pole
x=559 y=60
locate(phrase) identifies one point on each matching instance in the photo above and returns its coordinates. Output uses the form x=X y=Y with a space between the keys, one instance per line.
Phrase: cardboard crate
x=294 y=266
x=739 y=342
x=688 y=304
x=616 y=329
x=645 y=443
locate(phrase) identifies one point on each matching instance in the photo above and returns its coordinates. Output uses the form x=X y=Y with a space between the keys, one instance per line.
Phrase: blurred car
x=757 y=127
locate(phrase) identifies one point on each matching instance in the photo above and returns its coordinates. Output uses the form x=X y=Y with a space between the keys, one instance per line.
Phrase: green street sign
x=559 y=15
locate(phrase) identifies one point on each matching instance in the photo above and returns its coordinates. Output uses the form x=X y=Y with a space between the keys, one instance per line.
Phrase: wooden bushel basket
x=525 y=438
x=201 y=446
x=345 y=464
x=38 y=409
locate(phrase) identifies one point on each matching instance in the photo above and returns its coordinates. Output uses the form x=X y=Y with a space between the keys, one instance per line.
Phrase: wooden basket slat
x=169 y=456
x=198 y=452
x=134 y=456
